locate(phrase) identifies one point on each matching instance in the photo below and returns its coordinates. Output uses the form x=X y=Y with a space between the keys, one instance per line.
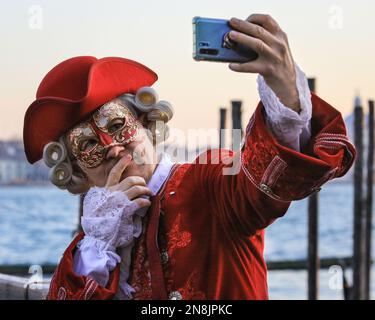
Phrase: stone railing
x=20 y=288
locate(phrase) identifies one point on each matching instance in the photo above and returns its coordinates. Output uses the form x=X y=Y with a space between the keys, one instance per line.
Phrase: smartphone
x=211 y=42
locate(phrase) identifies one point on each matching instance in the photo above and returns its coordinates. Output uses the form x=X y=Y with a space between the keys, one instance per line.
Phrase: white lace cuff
x=108 y=216
x=290 y=128
x=102 y=262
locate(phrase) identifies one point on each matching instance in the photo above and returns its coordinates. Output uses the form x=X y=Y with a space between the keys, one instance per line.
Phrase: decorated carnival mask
x=112 y=124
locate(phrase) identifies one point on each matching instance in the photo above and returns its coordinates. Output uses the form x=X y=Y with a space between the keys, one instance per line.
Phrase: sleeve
x=66 y=284
x=249 y=189
x=290 y=128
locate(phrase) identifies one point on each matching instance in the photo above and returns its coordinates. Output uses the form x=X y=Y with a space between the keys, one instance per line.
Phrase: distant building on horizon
x=14 y=168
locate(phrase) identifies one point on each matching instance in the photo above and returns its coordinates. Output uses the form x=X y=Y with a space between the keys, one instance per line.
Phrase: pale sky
x=332 y=40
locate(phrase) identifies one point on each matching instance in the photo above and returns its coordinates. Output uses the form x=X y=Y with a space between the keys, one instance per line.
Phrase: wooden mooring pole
x=80 y=213
x=369 y=200
x=313 y=233
x=223 y=116
x=359 y=252
x=236 y=123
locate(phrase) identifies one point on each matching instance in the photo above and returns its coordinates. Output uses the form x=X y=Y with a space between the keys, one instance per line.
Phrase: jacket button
x=175 y=295
x=266 y=189
x=172 y=193
x=164 y=257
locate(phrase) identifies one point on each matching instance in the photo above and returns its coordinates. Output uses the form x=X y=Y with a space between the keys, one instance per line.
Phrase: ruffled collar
x=160 y=174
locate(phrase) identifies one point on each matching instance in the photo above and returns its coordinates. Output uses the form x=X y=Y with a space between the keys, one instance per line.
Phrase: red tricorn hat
x=72 y=90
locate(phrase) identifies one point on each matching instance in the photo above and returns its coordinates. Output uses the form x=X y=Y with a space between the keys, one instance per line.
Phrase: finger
x=253 y=30
x=117 y=170
x=128 y=182
x=266 y=21
x=250 y=67
x=137 y=191
x=253 y=43
x=142 y=202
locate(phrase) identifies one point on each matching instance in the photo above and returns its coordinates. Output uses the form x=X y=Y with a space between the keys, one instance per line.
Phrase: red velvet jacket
x=204 y=235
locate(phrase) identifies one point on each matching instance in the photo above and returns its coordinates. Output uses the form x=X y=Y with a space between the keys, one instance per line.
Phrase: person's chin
x=131 y=171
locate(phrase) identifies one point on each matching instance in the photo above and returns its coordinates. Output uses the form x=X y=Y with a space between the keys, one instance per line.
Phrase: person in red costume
x=154 y=229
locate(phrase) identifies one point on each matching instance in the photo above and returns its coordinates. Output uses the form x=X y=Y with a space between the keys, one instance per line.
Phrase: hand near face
x=133 y=186
x=262 y=34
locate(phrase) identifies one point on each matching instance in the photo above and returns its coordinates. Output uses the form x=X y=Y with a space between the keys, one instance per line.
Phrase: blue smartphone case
x=208 y=42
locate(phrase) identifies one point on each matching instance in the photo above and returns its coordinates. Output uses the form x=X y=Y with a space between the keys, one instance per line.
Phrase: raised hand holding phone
x=275 y=63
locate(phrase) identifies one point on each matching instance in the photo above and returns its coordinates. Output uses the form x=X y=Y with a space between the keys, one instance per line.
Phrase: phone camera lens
x=211 y=52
